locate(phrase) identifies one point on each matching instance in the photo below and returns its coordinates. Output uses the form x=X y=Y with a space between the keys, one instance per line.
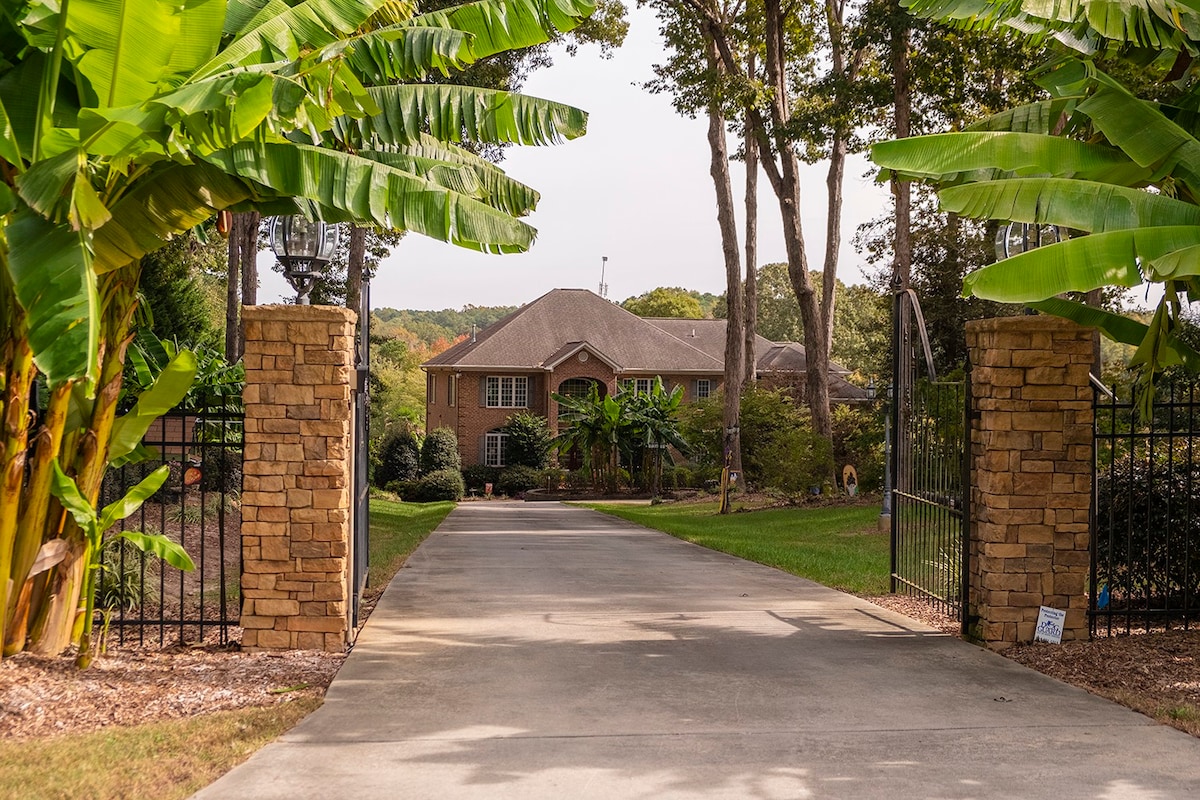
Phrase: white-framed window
x=703 y=388
x=638 y=385
x=451 y=390
x=431 y=389
x=507 y=391
x=495 y=446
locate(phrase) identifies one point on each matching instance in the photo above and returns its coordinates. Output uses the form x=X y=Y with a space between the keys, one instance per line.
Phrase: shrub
x=220 y=470
x=858 y=440
x=529 y=440
x=577 y=479
x=514 y=480
x=399 y=457
x=553 y=478
x=442 y=484
x=405 y=490
x=440 y=452
x=1147 y=529
x=477 y=476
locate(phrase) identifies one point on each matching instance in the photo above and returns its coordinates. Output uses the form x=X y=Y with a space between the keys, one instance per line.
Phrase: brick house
x=568 y=340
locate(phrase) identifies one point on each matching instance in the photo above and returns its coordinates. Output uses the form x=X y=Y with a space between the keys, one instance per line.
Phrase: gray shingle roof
x=534 y=334
x=556 y=325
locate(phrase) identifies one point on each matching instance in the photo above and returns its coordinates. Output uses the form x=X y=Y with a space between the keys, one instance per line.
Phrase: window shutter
x=482 y=391
x=695 y=390
x=482 y=449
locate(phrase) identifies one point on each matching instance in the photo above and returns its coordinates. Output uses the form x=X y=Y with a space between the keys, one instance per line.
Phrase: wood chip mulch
x=50 y=696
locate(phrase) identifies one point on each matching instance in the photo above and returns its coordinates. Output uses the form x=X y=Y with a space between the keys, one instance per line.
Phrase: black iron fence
x=1145 y=571
x=143 y=599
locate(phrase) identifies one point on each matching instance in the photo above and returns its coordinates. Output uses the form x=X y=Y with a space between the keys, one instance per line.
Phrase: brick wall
x=1031 y=451
x=296 y=492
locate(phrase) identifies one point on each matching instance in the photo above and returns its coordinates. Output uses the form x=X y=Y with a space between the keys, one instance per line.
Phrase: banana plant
x=1129 y=195
x=124 y=124
x=96 y=524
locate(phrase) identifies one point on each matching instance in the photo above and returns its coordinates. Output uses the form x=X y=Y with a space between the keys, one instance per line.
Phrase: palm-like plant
x=654 y=426
x=123 y=124
x=1121 y=174
x=593 y=425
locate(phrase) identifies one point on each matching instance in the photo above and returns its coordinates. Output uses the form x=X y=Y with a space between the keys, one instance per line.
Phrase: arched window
x=576 y=387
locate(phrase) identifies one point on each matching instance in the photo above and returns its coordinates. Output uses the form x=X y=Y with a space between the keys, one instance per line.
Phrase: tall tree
x=665 y=302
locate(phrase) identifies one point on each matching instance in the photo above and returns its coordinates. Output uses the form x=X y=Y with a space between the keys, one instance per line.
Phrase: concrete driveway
x=543 y=651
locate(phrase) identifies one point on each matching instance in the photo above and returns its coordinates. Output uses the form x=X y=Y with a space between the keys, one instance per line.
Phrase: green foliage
x=529 y=441
x=119 y=580
x=779 y=449
x=517 y=479
x=439 y=452
x=182 y=289
x=665 y=302
x=858 y=440
x=1146 y=536
x=442 y=484
x=477 y=476
x=398 y=457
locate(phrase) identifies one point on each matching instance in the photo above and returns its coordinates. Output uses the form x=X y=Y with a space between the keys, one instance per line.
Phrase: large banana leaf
x=1083 y=264
x=51 y=272
x=126 y=47
x=486 y=183
x=278 y=32
x=953 y=157
x=169 y=199
x=1042 y=117
x=408 y=53
x=167 y=391
x=1144 y=133
x=458 y=113
x=1157 y=24
x=499 y=25
x=199 y=38
x=376 y=193
x=1079 y=205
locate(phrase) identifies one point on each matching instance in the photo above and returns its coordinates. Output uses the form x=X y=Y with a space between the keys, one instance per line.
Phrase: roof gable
x=533 y=336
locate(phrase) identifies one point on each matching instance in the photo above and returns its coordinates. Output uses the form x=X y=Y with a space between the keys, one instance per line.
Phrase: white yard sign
x=1050 y=625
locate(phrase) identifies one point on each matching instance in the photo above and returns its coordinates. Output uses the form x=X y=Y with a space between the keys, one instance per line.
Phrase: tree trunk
x=250 y=222
x=751 y=291
x=243 y=262
x=354 y=268
x=787 y=190
x=734 y=329
x=233 y=337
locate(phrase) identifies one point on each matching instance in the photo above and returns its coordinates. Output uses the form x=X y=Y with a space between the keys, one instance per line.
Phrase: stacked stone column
x=1031 y=480
x=296 y=490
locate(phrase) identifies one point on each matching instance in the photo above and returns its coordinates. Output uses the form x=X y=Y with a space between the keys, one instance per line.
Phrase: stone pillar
x=1031 y=480
x=296 y=492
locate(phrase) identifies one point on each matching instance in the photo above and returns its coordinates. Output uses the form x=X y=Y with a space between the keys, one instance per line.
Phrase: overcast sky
x=636 y=189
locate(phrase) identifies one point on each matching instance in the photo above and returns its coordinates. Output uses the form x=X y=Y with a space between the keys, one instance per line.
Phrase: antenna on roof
x=603 y=285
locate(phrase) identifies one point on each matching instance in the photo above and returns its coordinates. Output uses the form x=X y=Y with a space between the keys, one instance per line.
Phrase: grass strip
x=396 y=530
x=838 y=546
x=163 y=760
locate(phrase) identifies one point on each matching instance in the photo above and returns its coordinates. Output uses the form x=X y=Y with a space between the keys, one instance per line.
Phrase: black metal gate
x=1145 y=572
x=146 y=600
x=360 y=523
x=930 y=469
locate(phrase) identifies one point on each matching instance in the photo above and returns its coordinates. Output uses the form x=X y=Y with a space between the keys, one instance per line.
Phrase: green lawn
x=838 y=546
x=396 y=530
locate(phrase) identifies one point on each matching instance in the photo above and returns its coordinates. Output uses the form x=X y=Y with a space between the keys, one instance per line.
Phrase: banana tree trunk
x=14 y=430
x=63 y=620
